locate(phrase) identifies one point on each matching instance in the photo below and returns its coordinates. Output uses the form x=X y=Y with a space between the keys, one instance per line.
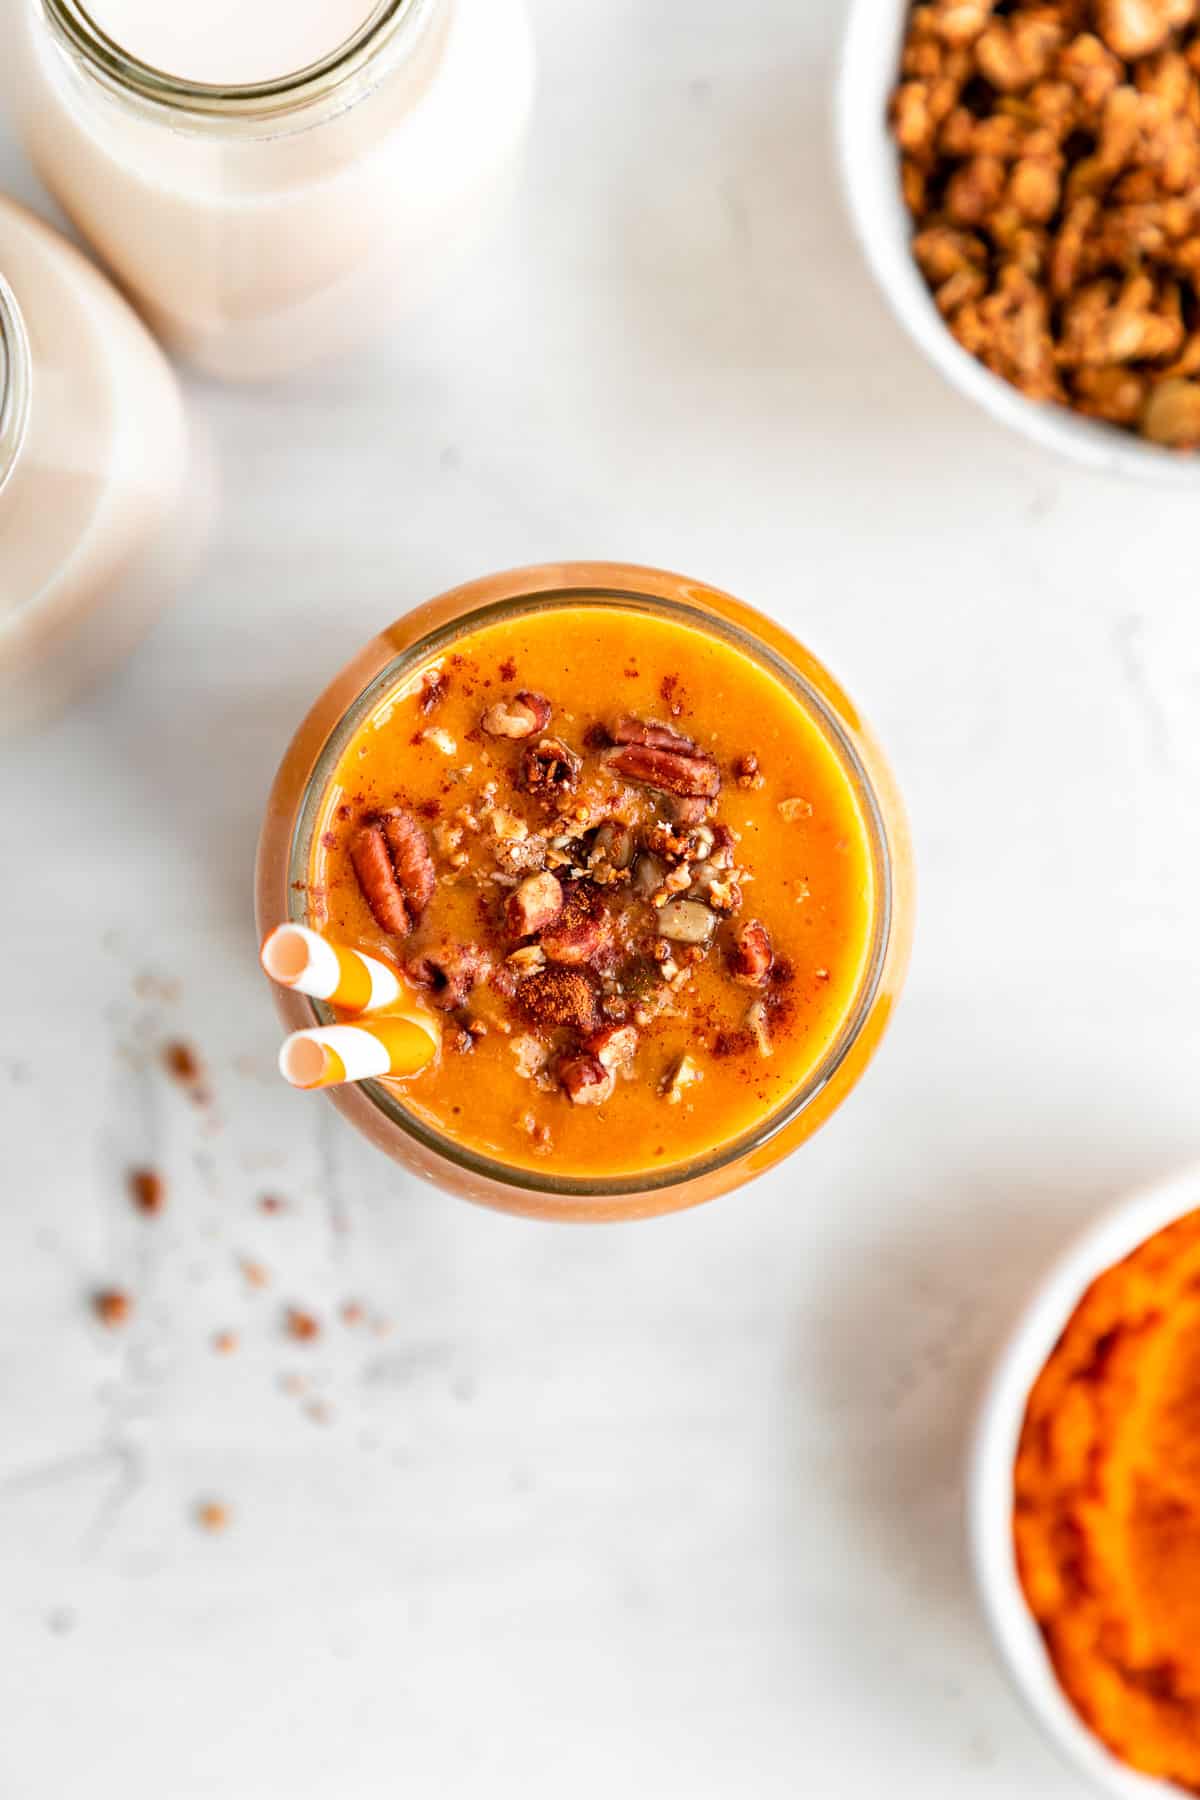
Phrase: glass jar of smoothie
x=93 y=473
x=634 y=848
x=273 y=182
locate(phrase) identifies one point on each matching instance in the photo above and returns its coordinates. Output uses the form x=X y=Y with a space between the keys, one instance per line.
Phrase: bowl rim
x=867 y=159
x=1110 y=1238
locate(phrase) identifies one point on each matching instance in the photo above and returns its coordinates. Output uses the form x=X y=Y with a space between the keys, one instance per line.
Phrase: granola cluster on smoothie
x=604 y=877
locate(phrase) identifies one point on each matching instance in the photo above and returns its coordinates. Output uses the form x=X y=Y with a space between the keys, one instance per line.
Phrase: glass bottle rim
x=249 y=102
x=16 y=382
x=870 y=985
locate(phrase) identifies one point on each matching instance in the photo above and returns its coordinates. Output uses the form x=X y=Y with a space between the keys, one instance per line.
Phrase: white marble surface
x=672 y=1509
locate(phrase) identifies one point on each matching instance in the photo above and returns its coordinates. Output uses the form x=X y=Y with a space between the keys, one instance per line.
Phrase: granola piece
x=683 y=1074
x=583 y=930
x=585 y=1080
x=746 y=771
x=517 y=718
x=531 y=1056
x=534 y=905
x=561 y=997
x=449 y=972
x=692 y=772
x=615 y=1046
x=526 y=961
x=1015 y=52
x=1133 y=28
x=751 y=958
x=792 y=810
x=549 y=769
x=686 y=921
x=1171 y=414
x=301 y=1325
x=1115 y=394
x=435 y=685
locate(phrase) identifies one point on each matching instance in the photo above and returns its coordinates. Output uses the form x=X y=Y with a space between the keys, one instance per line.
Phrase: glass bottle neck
x=16 y=382
x=391 y=27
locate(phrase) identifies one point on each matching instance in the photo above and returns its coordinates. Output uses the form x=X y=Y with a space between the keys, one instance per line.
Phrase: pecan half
x=376 y=877
x=615 y=1046
x=561 y=997
x=582 y=930
x=517 y=718
x=585 y=1080
x=689 y=772
x=534 y=905
x=549 y=769
x=411 y=859
x=449 y=973
x=751 y=958
x=651 y=735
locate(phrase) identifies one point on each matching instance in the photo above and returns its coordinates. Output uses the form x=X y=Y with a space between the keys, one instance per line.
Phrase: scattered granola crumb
x=353 y=1313
x=302 y=1325
x=791 y=810
x=255 y=1274
x=225 y=1342
x=147 y=1190
x=212 y=1515
x=272 y=1203
x=113 y=1307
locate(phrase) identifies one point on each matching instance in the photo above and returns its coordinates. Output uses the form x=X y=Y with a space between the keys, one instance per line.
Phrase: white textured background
x=670 y=1510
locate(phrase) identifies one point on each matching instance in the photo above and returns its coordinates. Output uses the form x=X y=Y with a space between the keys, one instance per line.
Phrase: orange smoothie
x=629 y=868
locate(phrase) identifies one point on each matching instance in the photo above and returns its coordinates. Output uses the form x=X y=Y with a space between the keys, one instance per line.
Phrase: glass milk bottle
x=93 y=472
x=272 y=182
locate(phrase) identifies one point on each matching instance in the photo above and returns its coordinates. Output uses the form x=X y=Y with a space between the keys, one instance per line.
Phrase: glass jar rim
x=16 y=382
x=436 y=642
x=250 y=102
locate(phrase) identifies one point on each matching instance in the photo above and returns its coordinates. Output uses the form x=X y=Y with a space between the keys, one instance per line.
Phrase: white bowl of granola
x=871 y=162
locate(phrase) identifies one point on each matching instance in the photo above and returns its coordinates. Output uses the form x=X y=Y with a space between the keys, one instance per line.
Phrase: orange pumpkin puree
x=1107 y=1517
x=515 y=774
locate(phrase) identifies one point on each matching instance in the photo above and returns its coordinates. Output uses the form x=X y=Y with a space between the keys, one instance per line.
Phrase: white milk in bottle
x=93 y=467
x=273 y=180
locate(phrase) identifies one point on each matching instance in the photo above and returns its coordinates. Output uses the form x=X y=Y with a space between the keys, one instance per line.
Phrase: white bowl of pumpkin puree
x=1084 y=1498
x=635 y=848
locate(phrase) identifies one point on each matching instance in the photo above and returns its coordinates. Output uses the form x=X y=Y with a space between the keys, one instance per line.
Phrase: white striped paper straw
x=327 y=1055
x=305 y=961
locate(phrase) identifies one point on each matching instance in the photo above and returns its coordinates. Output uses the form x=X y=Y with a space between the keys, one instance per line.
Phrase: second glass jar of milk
x=271 y=182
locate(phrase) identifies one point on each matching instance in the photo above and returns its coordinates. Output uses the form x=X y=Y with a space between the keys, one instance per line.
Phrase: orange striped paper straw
x=328 y=1055
x=310 y=964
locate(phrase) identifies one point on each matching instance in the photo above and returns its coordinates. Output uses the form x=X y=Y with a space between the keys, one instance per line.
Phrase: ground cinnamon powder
x=1107 y=1506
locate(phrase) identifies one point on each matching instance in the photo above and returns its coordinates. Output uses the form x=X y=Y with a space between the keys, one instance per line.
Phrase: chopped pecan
x=585 y=1080
x=534 y=905
x=651 y=734
x=751 y=958
x=683 y=1074
x=561 y=997
x=613 y=843
x=583 y=930
x=517 y=718
x=688 y=772
x=449 y=973
x=688 y=809
x=549 y=769
x=614 y=1046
